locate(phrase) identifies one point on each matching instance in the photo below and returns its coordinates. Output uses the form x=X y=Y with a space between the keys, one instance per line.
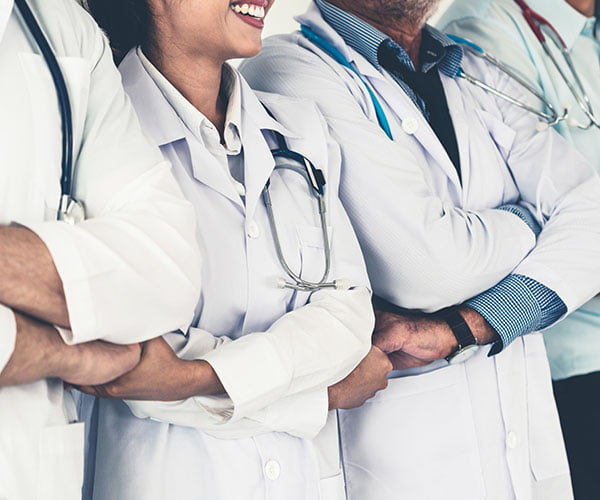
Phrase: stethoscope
x=316 y=185
x=539 y=25
x=548 y=118
x=70 y=210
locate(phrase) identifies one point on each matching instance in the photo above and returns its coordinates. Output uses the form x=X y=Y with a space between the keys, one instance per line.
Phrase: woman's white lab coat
x=138 y=222
x=277 y=350
x=486 y=428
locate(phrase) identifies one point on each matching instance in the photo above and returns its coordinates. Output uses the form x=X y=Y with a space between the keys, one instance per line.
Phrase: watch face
x=463 y=354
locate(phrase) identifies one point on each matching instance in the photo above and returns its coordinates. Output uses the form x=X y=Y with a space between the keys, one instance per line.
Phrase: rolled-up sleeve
x=130 y=271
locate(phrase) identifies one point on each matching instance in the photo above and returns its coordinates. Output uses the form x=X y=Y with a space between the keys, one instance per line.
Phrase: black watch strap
x=460 y=329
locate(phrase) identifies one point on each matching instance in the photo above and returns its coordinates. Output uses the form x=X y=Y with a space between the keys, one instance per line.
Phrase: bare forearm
x=29 y=281
x=38 y=352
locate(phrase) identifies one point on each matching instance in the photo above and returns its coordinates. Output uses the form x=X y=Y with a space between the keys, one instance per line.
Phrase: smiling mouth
x=249 y=9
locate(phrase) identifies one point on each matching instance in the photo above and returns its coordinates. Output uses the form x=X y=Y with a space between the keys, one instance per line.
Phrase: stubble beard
x=417 y=12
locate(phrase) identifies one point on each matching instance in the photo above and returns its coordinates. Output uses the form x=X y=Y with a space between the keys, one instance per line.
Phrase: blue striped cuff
x=525 y=215
x=516 y=306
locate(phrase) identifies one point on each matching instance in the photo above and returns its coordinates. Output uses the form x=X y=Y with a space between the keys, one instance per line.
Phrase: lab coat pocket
x=61 y=462
x=502 y=135
x=547 y=451
x=413 y=440
x=312 y=251
x=46 y=128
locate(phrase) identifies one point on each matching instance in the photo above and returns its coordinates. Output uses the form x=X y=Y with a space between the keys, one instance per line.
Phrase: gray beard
x=417 y=12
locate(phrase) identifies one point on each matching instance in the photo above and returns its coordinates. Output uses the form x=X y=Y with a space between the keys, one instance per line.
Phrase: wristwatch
x=467 y=343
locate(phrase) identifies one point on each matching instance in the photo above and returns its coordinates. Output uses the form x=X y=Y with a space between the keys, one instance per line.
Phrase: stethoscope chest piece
x=71 y=210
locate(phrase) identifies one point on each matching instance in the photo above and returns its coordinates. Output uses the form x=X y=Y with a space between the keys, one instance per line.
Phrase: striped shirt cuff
x=525 y=215
x=516 y=306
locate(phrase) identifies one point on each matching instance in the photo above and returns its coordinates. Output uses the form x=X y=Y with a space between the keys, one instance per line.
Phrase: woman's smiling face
x=219 y=29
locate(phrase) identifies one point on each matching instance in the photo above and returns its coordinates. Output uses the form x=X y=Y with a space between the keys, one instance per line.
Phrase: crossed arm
x=31 y=287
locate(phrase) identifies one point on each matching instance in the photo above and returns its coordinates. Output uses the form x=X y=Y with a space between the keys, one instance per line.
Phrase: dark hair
x=126 y=22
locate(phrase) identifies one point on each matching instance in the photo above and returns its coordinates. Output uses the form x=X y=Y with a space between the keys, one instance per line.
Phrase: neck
x=405 y=33
x=586 y=7
x=198 y=79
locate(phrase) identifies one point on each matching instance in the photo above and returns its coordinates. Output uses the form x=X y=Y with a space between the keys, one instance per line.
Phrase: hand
x=97 y=362
x=161 y=376
x=412 y=341
x=362 y=383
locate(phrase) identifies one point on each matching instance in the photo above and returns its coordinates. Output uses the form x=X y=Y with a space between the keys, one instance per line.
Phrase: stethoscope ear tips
x=542 y=126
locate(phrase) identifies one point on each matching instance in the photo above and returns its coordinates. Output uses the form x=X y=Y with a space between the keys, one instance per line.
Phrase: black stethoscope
x=70 y=210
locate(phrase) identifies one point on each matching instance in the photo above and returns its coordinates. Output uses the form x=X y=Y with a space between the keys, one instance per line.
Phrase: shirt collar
x=358 y=34
x=569 y=22
x=192 y=118
x=437 y=49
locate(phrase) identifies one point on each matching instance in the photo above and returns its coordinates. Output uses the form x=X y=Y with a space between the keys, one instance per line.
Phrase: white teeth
x=249 y=10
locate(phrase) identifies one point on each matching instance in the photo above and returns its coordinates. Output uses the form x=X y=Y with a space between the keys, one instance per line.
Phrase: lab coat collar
x=314 y=20
x=6 y=8
x=566 y=20
x=163 y=124
x=399 y=101
x=159 y=119
x=257 y=125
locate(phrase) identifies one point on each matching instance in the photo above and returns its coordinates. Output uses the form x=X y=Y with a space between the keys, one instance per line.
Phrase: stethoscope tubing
x=538 y=23
x=66 y=179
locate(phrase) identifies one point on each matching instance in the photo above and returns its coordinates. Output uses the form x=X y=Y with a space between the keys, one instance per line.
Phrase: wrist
x=203 y=380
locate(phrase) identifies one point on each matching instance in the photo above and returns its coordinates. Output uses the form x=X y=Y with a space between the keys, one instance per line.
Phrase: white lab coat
x=486 y=428
x=275 y=350
x=130 y=272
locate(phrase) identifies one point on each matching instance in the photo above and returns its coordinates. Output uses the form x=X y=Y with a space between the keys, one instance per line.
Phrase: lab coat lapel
x=406 y=111
x=5 y=11
x=207 y=170
x=390 y=93
x=256 y=127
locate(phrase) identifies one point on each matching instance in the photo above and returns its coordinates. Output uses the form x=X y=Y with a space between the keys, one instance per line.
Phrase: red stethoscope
x=544 y=31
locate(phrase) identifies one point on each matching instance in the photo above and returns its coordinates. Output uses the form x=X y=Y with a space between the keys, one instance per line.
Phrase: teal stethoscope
x=538 y=24
x=70 y=210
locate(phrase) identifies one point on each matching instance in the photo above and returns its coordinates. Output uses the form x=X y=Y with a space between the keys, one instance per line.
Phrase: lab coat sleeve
x=457 y=253
x=301 y=414
x=561 y=188
x=277 y=380
x=8 y=334
x=130 y=271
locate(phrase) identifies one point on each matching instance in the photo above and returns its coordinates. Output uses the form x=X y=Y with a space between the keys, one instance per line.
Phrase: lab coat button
x=512 y=440
x=272 y=469
x=410 y=125
x=253 y=230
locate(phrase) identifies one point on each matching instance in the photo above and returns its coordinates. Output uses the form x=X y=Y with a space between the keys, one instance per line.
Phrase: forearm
x=29 y=281
x=38 y=353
